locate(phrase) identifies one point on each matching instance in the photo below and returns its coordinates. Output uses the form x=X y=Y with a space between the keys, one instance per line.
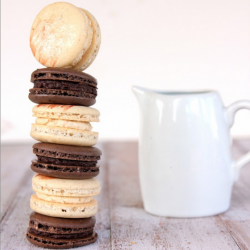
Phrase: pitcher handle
x=231 y=111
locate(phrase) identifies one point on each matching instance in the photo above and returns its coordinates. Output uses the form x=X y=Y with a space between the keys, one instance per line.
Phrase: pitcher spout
x=139 y=93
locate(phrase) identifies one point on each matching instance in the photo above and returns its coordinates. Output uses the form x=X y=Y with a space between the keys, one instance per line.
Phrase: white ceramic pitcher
x=185 y=161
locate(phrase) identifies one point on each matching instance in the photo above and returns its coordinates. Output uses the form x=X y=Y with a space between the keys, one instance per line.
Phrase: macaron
x=64 y=124
x=65 y=187
x=63 y=86
x=64 y=198
x=61 y=34
x=60 y=233
x=65 y=161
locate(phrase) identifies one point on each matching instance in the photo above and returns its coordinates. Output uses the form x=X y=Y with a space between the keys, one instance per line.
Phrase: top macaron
x=64 y=36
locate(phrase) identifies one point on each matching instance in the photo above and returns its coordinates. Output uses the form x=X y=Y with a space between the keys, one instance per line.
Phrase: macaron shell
x=49 y=243
x=66 y=136
x=60 y=35
x=85 y=100
x=67 y=152
x=93 y=50
x=66 y=112
x=65 y=74
x=62 y=199
x=48 y=208
x=52 y=224
x=65 y=187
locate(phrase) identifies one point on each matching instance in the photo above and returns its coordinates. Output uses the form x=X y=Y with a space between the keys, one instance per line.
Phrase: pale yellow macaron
x=83 y=210
x=65 y=124
x=64 y=197
x=62 y=34
x=65 y=187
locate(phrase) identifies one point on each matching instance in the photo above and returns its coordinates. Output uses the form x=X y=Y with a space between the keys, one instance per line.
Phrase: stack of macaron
x=66 y=40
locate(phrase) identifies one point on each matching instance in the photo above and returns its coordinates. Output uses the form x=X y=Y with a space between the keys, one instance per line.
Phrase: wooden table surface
x=121 y=221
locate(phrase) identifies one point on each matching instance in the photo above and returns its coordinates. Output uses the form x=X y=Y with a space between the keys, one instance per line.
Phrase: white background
x=178 y=44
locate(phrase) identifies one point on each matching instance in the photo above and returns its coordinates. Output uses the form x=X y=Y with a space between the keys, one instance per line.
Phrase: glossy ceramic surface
x=185 y=162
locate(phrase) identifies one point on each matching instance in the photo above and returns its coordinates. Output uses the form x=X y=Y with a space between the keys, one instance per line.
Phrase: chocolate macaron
x=63 y=86
x=65 y=161
x=60 y=233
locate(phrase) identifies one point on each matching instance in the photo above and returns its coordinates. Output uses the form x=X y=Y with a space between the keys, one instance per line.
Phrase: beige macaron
x=65 y=187
x=64 y=197
x=54 y=209
x=65 y=124
x=93 y=50
x=60 y=35
x=63 y=35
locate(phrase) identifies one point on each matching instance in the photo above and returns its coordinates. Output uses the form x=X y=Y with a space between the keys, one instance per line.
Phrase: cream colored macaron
x=93 y=50
x=65 y=187
x=54 y=209
x=60 y=35
x=65 y=124
x=63 y=35
x=64 y=197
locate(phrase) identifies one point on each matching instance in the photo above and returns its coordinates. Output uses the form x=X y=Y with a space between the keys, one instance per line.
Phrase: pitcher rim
x=176 y=92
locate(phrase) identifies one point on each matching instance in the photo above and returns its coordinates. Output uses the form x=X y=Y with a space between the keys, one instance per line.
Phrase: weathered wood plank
x=133 y=228
x=103 y=215
x=15 y=161
x=237 y=218
x=15 y=221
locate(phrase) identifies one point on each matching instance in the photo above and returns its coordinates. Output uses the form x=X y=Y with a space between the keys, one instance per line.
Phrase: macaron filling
x=64 y=199
x=64 y=124
x=87 y=87
x=59 y=92
x=60 y=236
x=65 y=162
x=74 y=172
